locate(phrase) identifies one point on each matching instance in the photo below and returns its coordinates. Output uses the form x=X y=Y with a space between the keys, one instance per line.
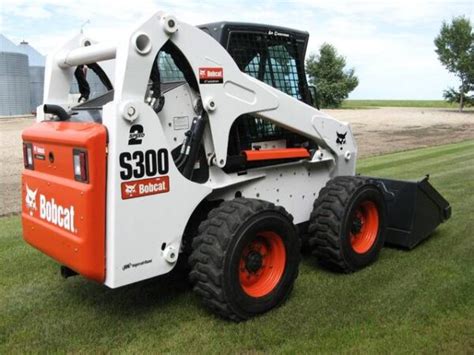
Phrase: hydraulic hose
x=56 y=110
x=180 y=159
x=192 y=151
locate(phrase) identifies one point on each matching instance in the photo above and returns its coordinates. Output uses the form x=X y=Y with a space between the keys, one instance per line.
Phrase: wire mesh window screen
x=252 y=67
x=284 y=70
x=260 y=129
x=168 y=69
x=273 y=60
x=269 y=58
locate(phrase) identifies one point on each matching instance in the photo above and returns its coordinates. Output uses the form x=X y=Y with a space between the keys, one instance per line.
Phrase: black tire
x=335 y=223
x=217 y=257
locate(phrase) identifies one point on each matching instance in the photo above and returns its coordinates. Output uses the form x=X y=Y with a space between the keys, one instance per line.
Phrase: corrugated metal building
x=36 y=69
x=14 y=80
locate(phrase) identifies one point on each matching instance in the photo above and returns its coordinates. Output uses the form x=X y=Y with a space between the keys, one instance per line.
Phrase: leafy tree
x=454 y=96
x=455 y=49
x=326 y=72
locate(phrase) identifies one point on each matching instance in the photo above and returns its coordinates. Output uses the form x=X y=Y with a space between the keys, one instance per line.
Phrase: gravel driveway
x=377 y=131
x=385 y=130
x=11 y=163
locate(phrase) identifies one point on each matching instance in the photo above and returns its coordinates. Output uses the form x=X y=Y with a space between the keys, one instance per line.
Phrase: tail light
x=81 y=172
x=28 y=156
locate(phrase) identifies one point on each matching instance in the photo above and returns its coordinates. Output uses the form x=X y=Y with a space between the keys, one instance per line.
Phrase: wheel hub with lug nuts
x=356 y=225
x=253 y=261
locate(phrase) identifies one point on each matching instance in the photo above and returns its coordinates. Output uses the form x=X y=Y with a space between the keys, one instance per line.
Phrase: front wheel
x=245 y=258
x=347 y=225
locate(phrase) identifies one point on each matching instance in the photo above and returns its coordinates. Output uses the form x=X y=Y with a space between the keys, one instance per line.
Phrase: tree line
x=333 y=82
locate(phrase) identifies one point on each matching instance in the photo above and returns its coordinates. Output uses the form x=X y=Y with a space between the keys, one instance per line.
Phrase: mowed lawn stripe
x=435 y=167
x=417 y=301
x=412 y=158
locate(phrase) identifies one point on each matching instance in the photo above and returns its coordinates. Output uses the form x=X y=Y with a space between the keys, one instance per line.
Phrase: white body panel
x=137 y=228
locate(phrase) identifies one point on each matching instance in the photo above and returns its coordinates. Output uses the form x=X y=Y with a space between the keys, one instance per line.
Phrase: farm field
x=418 y=301
x=397 y=103
x=391 y=129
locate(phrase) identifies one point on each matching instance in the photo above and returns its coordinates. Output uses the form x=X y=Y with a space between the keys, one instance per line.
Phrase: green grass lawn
x=418 y=301
x=358 y=104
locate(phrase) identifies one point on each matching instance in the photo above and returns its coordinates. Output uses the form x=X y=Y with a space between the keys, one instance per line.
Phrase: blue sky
x=389 y=43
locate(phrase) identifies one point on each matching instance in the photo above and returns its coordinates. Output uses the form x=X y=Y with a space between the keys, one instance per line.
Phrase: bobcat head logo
x=30 y=199
x=341 y=138
x=130 y=189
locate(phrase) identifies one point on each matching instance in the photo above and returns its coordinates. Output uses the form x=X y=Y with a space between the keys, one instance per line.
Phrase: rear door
x=63 y=187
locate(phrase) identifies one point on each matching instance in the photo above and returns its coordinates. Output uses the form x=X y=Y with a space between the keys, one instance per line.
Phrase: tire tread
x=211 y=246
x=326 y=221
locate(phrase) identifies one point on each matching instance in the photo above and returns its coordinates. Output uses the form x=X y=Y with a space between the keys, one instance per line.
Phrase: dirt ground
x=384 y=130
x=11 y=162
x=377 y=131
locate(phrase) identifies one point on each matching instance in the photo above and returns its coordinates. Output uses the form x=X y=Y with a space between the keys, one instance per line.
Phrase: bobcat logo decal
x=341 y=138
x=130 y=189
x=30 y=199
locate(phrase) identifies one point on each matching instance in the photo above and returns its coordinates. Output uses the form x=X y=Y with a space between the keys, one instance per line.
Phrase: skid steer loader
x=206 y=147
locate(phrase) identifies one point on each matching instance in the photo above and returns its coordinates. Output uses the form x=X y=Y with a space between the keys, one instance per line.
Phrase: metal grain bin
x=14 y=84
x=37 y=63
x=36 y=87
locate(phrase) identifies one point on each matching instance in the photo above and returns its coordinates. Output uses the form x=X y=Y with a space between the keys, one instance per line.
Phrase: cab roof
x=220 y=30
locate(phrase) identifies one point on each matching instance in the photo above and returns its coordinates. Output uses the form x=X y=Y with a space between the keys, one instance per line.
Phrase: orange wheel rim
x=365 y=227
x=262 y=264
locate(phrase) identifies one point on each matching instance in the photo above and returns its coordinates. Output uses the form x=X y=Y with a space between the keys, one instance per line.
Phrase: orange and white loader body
x=125 y=222
x=228 y=166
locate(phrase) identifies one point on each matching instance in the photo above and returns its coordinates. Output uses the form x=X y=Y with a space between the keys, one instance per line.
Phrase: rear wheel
x=245 y=258
x=347 y=225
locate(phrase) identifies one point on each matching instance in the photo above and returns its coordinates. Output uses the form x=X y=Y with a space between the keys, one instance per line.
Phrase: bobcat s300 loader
x=207 y=147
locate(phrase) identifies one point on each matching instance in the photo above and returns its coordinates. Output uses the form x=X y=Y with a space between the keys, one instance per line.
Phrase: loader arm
x=239 y=93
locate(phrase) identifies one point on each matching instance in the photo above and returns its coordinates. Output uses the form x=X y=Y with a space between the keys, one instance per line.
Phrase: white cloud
x=34 y=12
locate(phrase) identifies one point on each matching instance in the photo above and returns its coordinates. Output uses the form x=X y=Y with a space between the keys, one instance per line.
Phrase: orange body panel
x=62 y=217
x=272 y=154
